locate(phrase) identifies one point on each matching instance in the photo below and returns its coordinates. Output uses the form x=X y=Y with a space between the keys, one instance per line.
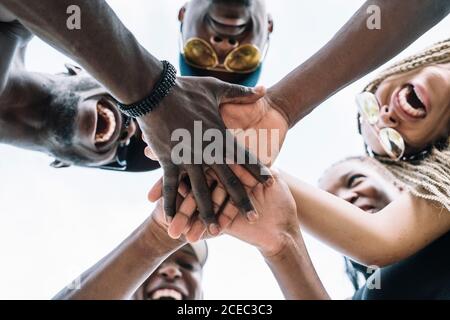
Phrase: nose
x=223 y=45
x=169 y=271
x=348 y=195
x=388 y=118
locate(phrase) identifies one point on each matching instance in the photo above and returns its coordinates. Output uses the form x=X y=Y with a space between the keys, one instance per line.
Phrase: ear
x=270 y=23
x=73 y=70
x=181 y=13
x=57 y=164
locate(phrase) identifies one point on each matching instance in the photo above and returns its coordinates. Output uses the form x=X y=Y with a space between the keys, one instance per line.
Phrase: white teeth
x=167 y=293
x=106 y=117
x=406 y=107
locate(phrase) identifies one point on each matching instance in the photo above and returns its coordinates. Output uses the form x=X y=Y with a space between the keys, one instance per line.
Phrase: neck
x=23 y=108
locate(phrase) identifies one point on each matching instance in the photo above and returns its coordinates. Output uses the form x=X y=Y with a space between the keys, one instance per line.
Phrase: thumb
x=242 y=95
x=155 y=192
x=150 y=154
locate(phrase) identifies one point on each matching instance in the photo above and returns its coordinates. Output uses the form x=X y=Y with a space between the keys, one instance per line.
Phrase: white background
x=54 y=224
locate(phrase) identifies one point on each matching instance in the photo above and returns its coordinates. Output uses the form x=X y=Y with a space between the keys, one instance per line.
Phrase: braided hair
x=428 y=177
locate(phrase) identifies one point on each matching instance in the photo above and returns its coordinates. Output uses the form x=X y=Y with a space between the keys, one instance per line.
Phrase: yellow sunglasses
x=243 y=59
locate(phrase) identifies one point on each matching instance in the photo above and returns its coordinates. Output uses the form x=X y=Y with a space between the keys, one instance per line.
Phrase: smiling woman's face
x=417 y=105
x=359 y=184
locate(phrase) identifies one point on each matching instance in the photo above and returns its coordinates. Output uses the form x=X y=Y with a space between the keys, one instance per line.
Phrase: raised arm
x=277 y=236
x=102 y=46
x=353 y=52
x=398 y=231
x=13 y=39
x=110 y=52
x=122 y=272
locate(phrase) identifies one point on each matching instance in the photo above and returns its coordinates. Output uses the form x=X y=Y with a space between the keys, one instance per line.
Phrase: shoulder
x=5 y=15
x=14 y=31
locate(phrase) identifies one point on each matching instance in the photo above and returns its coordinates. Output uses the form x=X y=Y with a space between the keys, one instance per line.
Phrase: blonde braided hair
x=428 y=178
x=437 y=54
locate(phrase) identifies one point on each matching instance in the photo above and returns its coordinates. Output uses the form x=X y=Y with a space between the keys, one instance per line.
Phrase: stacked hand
x=197 y=100
x=258 y=115
x=275 y=228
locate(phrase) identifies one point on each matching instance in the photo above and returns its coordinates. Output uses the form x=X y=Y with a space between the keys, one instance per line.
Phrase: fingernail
x=252 y=216
x=269 y=182
x=175 y=236
x=169 y=219
x=214 y=229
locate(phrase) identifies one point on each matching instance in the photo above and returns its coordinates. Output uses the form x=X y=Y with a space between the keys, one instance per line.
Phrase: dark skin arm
x=103 y=46
x=9 y=47
x=122 y=272
x=353 y=52
x=13 y=40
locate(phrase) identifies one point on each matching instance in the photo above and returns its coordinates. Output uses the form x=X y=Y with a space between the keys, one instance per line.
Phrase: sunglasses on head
x=200 y=54
x=390 y=139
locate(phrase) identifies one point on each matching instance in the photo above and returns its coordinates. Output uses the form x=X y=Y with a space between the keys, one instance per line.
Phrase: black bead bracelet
x=159 y=92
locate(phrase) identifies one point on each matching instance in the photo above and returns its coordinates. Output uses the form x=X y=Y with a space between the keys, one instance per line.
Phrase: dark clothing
x=132 y=159
x=425 y=275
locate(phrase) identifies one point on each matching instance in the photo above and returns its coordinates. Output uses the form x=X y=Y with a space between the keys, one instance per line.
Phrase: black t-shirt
x=425 y=275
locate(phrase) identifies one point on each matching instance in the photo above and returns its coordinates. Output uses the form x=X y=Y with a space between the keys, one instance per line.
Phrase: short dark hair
x=65 y=99
x=63 y=108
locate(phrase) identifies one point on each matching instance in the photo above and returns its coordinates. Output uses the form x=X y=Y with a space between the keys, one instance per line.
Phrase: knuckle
x=169 y=209
x=170 y=189
x=232 y=181
x=201 y=194
x=170 y=179
x=245 y=203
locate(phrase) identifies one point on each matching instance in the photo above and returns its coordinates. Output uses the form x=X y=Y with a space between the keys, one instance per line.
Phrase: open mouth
x=166 y=294
x=411 y=103
x=369 y=209
x=107 y=124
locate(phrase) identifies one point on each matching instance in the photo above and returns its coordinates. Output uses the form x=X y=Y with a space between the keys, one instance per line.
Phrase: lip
x=170 y=287
x=368 y=208
x=105 y=146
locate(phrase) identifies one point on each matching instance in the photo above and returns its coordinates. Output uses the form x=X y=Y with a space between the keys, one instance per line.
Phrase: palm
x=278 y=216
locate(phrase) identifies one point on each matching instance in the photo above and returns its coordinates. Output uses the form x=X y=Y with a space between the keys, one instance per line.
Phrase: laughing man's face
x=86 y=126
x=177 y=278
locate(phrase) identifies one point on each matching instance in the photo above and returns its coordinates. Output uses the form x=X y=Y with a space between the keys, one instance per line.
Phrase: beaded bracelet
x=159 y=92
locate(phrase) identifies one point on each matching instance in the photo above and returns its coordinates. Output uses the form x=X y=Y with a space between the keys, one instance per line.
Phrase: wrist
x=143 y=81
x=281 y=246
x=153 y=98
x=281 y=104
x=154 y=240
